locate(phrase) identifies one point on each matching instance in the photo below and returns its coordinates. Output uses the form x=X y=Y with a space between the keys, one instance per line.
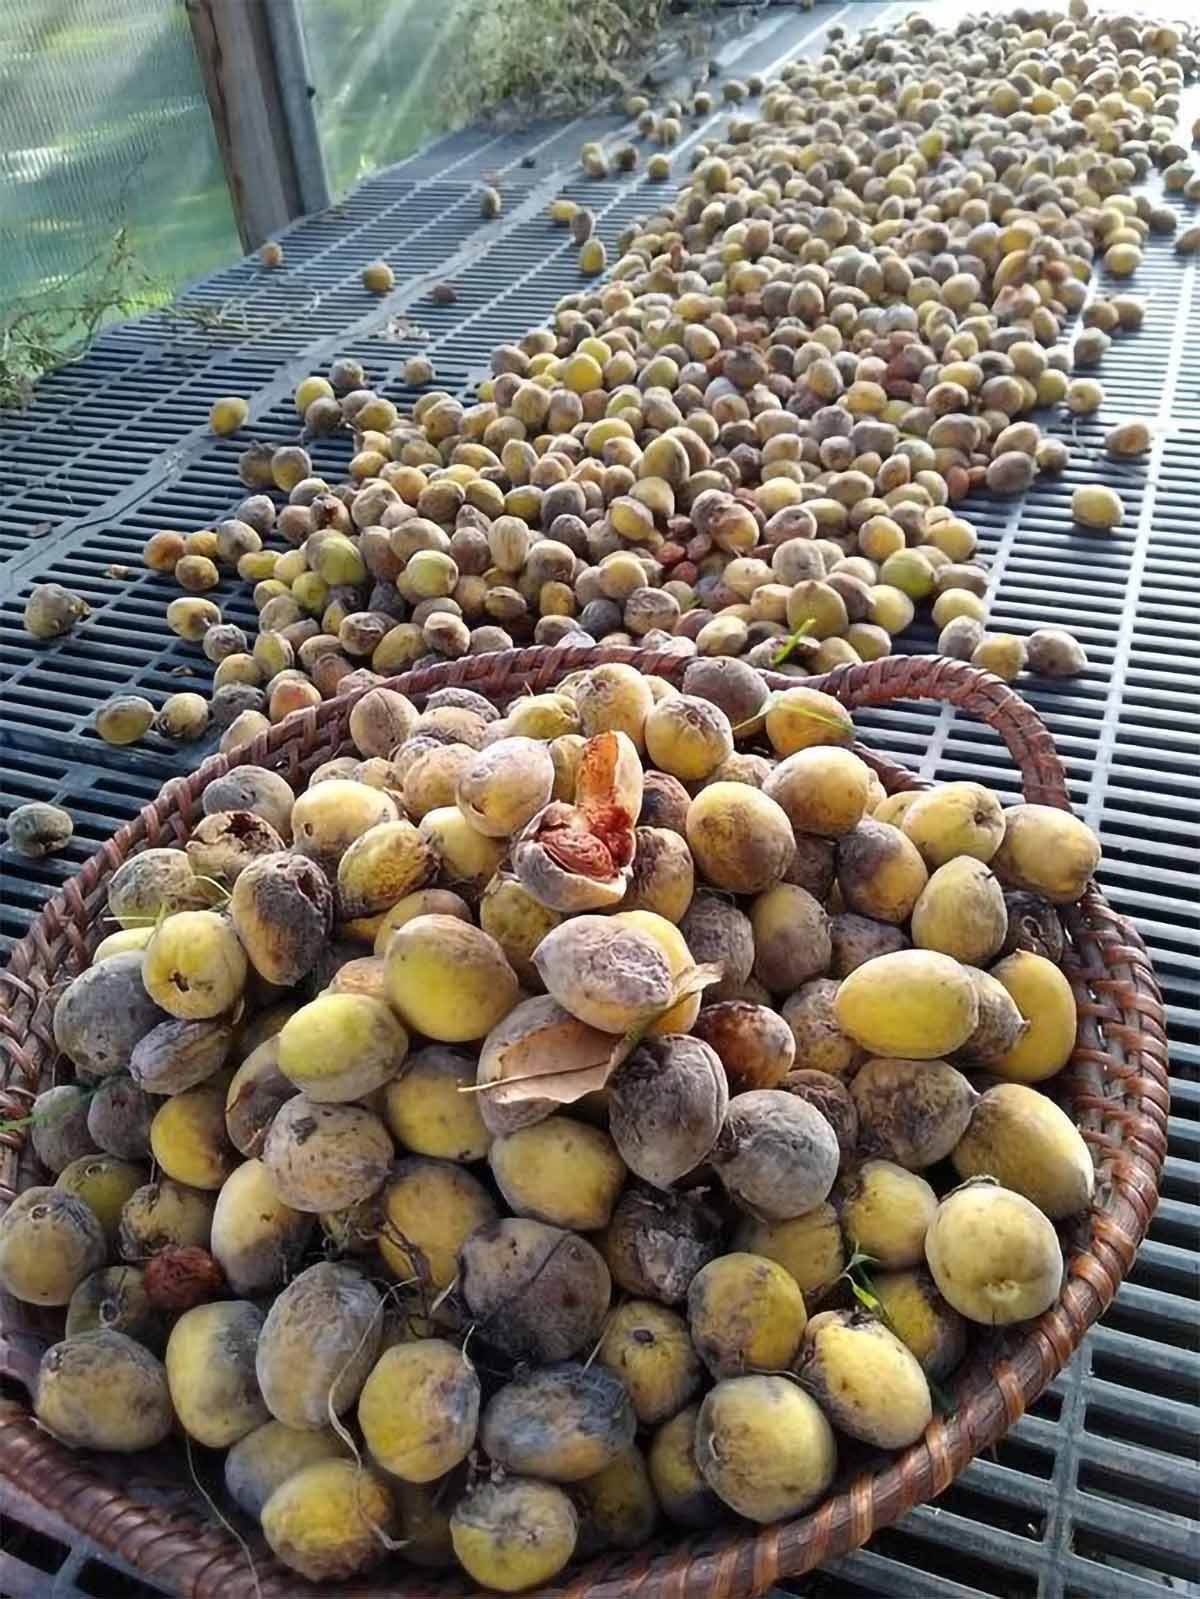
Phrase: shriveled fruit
x=658 y=1240
x=102 y=1015
x=535 y=1292
x=612 y=980
x=911 y=1111
x=560 y=1422
x=325 y=1157
x=666 y=1105
x=101 y=1390
x=282 y=912
x=754 y=1043
x=37 y=830
x=777 y=1157
x=318 y=1343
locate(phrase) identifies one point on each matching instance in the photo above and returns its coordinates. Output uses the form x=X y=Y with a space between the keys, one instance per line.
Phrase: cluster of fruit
x=752 y=438
x=554 y=1122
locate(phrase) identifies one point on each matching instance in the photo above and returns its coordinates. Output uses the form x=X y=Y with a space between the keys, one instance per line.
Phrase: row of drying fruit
x=753 y=438
x=555 y=1122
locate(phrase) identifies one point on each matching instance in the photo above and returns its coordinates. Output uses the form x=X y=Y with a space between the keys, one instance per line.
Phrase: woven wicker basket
x=148 y=1510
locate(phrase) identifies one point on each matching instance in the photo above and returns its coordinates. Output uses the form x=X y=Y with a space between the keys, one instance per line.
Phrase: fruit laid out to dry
x=752 y=439
x=606 y=1112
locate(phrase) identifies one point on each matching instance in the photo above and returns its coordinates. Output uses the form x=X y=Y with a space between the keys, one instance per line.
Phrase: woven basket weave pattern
x=1115 y=1087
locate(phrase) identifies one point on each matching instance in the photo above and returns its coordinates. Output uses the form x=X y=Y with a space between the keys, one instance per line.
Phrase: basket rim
x=1116 y=1082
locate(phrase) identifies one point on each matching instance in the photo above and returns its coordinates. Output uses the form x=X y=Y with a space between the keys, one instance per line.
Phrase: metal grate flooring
x=1093 y=1494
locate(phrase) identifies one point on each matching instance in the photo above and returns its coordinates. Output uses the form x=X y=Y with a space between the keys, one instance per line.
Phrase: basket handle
x=896 y=677
x=935 y=677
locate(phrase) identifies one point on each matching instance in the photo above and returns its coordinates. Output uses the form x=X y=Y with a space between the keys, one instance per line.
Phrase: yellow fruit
x=427 y=1112
x=821 y=790
x=430 y=1208
x=865 y=1379
x=764 y=1447
x=1044 y=998
x=913 y=1003
x=745 y=1313
x=559 y=1171
x=993 y=1255
x=741 y=839
x=228 y=415
x=885 y=1211
x=955 y=819
x=210 y=1370
x=1022 y=1139
x=514 y=1533
x=448 y=979
x=800 y=717
x=1047 y=850
x=325 y=1521
x=809 y=1247
x=922 y=1320
x=961 y=912
x=648 y=1348
x=194 y=966
x=378 y=278
x=685 y=1497
x=101 y=1390
x=265 y=1458
x=341 y=1047
x=419 y=1409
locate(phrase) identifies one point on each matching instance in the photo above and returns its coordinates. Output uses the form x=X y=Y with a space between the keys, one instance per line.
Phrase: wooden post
x=238 y=66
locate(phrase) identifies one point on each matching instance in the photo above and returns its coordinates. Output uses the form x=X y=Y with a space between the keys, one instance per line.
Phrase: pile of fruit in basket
x=558 y=1120
x=847 y=319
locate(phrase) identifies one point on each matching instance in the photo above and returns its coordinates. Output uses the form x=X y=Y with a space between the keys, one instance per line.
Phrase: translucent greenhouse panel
x=109 y=170
x=384 y=75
